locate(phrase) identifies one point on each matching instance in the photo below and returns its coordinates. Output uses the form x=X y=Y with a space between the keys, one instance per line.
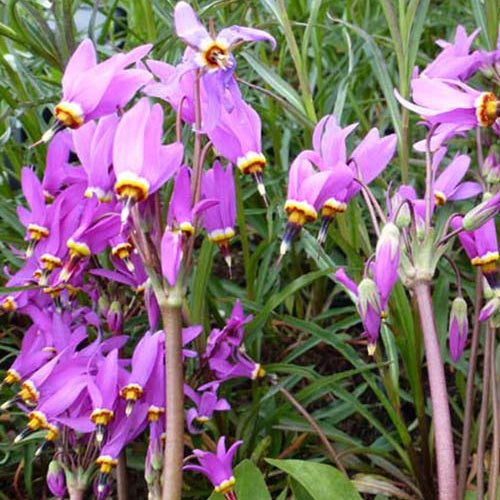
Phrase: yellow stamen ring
x=29 y=393
x=70 y=114
x=252 y=163
x=226 y=486
x=487 y=109
x=102 y=416
x=487 y=262
x=132 y=392
x=258 y=372
x=37 y=420
x=130 y=185
x=11 y=377
x=332 y=206
x=50 y=261
x=78 y=249
x=122 y=250
x=439 y=197
x=186 y=228
x=300 y=212
x=215 y=55
x=9 y=304
x=37 y=232
x=154 y=413
x=106 y=463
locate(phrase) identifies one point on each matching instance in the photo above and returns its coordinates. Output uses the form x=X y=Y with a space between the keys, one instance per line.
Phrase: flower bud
x=114 y=317
x=459 y=325
x=370 y=310
x=103 y=305
x=56 y=480
x=483 y=212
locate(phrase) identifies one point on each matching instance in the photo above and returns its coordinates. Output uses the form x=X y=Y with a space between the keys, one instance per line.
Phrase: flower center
x=252 y=163
x=9 y=304
x=226 y=485
x=300 y=212
x=11 y=377
x=216 y=56
x=102 y=416
x=37 y=232
x=331 y=207
x=122 y=250
x=106 y=463
x=487 y=262
x=132 y=392
x=29 y=393
x=77 y=249
x=487 y=109
x=70 y=114
x=50 y=261
x=258 y=372
x=37 y=420
x=154 y=413
x=130 y=185
x=439 y=197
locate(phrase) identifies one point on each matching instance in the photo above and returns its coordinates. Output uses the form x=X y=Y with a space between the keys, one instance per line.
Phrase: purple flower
x=447 y=186
x=143 y=363
x=451 y=101
x=385 y=267
x=217 y=467
x=219 y=220
x=206 y=404
x=306 y=194
x=237 y=137
x=370 y=310
x=94 y=147
x=112 y=86
x=459 y=325
x=171 y=255
x=141 y=164
x=481 y=246
x=454 y=61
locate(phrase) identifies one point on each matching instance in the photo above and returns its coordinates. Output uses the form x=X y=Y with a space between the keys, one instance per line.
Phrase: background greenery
x=332 y=57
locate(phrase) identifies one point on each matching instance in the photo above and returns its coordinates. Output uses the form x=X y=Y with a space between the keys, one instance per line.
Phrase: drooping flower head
x=217 y=467
x=458 y=328
x=112 y=86
x=451 y=101
x=141 y=163
x=237 y=137
x=219 y=220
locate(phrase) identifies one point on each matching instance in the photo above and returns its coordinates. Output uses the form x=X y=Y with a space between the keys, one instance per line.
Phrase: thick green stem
x=174 y=397
x=469 y=391
x=443 y=436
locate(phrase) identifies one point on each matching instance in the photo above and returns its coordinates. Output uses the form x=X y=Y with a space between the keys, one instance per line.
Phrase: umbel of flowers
x=409 y=244
x=98 y=220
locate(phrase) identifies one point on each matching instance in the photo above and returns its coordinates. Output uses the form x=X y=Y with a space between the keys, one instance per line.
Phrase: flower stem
x=324 y=440
x=483 y=415
x=469 y=391
x=439 y=397
x=174 y=414
x=121 y=477
x=495 y=450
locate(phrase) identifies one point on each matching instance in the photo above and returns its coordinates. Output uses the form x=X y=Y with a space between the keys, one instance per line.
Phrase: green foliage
x=342 y=57
x=319 y=480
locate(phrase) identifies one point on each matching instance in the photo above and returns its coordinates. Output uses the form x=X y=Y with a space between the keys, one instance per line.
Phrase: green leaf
x=319 y=480
x=250 y=483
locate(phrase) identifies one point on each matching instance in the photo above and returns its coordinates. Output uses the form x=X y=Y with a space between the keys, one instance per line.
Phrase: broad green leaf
x=319 y=480
x=250 y=483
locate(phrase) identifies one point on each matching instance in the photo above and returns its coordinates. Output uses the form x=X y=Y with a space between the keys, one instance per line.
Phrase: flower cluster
x=99 y=251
